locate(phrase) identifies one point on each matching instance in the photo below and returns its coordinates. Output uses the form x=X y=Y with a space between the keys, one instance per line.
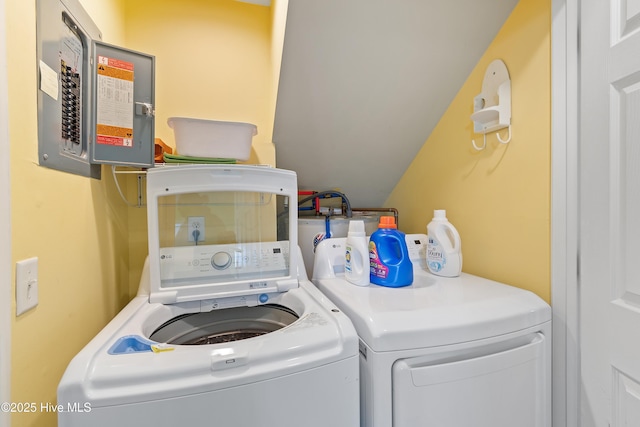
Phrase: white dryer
x=446 y=352
x=226 y=328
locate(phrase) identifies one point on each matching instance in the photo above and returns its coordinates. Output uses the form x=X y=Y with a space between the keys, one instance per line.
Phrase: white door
x=609 y=206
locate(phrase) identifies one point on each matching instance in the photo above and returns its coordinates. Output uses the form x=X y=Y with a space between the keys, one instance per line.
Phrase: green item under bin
x=176 y=158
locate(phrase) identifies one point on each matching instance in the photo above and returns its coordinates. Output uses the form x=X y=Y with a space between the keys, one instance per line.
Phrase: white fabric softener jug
x=444 y=256
x=356 y=266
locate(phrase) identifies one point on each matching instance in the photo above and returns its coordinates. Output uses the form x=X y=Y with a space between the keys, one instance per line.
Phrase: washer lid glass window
x=221 y=233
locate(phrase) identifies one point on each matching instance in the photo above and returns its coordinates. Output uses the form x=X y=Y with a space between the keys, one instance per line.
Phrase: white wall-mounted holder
x=492 y=107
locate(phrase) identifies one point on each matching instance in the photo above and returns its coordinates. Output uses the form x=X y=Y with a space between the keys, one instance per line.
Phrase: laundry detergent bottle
x=444 y=256
x=389 y=261
x=356 y=265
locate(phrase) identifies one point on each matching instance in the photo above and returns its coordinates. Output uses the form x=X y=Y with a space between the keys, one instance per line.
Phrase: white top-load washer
x=446 y=352
x=226 y=328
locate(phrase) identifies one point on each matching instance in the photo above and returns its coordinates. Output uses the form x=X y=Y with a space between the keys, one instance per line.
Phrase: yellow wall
x=74 y=225
x=499 y=198
x=213 y=61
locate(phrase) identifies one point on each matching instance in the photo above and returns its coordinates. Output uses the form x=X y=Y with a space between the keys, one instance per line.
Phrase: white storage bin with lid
x=212 y=138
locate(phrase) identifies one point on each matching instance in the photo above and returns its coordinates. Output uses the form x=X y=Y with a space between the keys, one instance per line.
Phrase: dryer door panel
x=504 y=388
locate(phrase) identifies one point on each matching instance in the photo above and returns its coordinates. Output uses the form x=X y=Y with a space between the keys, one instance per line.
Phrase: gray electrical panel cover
x=123 y=115
x=95 y=101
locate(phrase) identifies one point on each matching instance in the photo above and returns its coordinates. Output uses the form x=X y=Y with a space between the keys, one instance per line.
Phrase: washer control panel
x=237 y=261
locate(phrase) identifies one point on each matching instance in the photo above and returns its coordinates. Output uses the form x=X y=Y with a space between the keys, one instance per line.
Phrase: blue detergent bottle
x=389 y=256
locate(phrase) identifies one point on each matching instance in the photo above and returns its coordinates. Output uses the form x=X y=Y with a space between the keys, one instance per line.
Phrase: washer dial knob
x=221 y=260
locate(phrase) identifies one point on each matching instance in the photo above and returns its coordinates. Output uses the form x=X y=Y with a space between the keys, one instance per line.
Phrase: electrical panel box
x=95 y=100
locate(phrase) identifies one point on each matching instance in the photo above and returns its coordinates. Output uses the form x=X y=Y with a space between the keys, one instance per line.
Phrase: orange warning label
x=116 y=68
x=115 y=141
x=114 y=131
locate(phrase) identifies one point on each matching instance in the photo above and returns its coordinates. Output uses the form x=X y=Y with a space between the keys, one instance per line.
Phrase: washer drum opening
x=225 y=325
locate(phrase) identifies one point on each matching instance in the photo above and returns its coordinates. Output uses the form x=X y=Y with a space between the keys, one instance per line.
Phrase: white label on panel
x=115 y=102
x=48 y=80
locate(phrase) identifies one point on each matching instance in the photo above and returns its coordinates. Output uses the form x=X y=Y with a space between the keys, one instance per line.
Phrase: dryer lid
x=221 y=231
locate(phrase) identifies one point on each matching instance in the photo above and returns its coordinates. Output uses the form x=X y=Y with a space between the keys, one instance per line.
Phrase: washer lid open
x=221 y=231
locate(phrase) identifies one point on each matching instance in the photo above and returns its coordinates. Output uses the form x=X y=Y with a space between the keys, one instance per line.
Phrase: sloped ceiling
x=364 y=82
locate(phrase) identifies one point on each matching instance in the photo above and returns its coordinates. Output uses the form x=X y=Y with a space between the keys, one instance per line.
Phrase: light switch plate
x=26 y=285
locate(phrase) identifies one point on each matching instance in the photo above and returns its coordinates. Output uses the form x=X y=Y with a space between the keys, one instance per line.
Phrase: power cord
x=196 y=235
